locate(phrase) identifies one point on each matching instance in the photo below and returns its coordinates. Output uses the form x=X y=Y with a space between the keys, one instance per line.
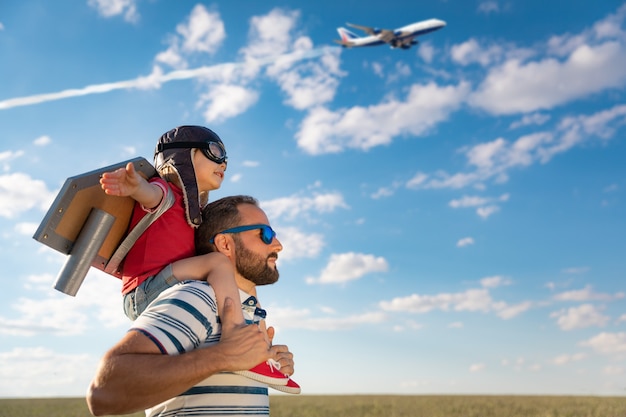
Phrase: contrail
x=155 y=79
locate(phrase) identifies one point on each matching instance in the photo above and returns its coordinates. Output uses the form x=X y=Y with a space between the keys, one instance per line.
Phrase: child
x=191 y=161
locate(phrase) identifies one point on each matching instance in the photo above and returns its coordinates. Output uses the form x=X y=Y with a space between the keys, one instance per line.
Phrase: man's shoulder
x=189 y=287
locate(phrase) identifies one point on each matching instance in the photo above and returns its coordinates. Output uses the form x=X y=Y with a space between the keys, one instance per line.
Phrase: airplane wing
x=367 y=29
x=384 y=35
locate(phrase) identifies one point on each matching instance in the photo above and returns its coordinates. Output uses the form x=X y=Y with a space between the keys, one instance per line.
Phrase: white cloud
x=27 y=229
x=488 y=6
x=466 y=241
x=485 y=205
x=42 y=140
x=42 y=370
x=586 y=294
x=472 y=300
x=46 y=310
x=289 y=208
x=19 y=193
x=324 y=131
x=567 y=359
x=470 y=52
x=203 y=32
x=226 y=101
x=297 y=244
x=585 y=315
x=492 y=160
x=576 y=270
x=495 y=281
x=345 y=267
x=426 y=51
x=607 y=343
x=288 y=318
x=591 y=64
x=250 y=164
x=477 y=367
x=530 y=119
x=111 y=8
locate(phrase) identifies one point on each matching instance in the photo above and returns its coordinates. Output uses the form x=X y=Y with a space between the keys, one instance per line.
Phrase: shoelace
x=273 y=364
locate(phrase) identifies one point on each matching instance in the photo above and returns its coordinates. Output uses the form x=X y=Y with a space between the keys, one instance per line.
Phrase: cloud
x=42 y=370
x=289 y=208
x=493 y=160
x=19 y=193
x=485 y=205
x=586 y=294
x=472 y=300
x=530 y=119
x=607 y=343
x=567 y=359
x=425 y=105
x=226 y=101
x=48 y=311
x=42 y=140
x=297 y=244
x=585 y=315
x=477 y=367
x=111 y=8
x=580 y=65
x=289 y=318
x=466 y=241
x=349 y=266
x=495 y=281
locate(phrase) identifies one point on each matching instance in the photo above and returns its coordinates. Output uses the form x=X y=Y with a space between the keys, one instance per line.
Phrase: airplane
x=403 y=37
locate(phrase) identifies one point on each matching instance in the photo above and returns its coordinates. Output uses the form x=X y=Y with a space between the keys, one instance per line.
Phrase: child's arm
x=127 y=182
x=217 y=270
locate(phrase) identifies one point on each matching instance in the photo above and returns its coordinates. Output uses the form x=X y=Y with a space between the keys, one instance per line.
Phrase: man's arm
x=135 y=375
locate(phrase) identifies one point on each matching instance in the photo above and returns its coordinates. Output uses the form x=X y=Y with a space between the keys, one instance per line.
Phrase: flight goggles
x=267 y=233
x=213 y=150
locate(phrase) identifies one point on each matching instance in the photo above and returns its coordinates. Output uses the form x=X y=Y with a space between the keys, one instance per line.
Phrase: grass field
x=373 y=406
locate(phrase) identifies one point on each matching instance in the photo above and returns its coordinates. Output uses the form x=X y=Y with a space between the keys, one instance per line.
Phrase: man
x=178 y=355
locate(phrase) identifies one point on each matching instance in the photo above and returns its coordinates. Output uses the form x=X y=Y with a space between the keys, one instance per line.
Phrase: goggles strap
x=177 y=145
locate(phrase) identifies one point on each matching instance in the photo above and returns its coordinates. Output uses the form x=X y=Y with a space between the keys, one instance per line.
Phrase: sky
x=453 y=215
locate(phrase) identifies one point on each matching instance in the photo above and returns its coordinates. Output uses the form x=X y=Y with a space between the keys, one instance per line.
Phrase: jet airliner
x=403 y=37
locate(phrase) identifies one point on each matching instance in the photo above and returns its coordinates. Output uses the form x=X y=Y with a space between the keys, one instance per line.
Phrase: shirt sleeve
x=182 y=318
x=159 y=182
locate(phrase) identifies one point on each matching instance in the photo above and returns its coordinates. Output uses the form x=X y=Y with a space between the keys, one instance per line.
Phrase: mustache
x=273 y=255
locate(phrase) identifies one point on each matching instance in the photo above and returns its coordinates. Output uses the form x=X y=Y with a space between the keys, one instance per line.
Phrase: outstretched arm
x=134 y=375
x=127 y=182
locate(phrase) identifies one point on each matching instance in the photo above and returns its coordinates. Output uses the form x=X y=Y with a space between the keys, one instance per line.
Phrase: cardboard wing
x=87 y=224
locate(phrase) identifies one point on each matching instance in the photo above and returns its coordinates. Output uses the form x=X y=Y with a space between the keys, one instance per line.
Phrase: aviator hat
x=174 y=150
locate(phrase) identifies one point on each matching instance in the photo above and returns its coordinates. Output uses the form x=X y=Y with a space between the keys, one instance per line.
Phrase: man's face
x=256 y=260
x=255 y=267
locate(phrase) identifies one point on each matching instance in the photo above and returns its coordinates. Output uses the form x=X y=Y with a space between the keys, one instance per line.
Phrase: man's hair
x=220 y=215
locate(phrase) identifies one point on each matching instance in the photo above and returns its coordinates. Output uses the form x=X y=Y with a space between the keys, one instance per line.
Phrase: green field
x=373 y=406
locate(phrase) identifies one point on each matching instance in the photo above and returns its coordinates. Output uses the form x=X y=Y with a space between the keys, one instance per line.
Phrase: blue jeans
x=136 y=301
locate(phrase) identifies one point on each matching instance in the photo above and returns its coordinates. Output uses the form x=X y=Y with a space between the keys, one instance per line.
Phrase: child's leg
x=217 y=270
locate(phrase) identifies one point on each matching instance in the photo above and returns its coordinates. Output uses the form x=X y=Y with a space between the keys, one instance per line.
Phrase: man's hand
x=242 y=346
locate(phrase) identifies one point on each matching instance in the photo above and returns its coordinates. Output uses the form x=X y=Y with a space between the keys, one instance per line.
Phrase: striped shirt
x=184 y=318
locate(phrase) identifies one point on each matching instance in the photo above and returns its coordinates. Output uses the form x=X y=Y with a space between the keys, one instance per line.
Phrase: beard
x=254 y=267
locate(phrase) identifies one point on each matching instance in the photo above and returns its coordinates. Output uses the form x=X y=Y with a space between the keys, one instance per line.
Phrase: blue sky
x=453 y=215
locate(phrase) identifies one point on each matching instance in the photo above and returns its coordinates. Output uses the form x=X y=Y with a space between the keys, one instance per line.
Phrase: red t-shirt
x=170 y=238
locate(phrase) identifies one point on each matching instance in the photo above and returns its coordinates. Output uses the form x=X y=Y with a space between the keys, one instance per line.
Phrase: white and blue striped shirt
x=184 y=318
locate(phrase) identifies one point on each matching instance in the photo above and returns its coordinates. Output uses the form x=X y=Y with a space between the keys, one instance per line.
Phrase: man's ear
x=224 y=244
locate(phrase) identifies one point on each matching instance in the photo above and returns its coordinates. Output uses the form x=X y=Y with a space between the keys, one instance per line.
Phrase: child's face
x=209 y=174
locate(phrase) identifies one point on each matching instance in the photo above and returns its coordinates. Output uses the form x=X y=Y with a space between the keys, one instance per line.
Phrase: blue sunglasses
x=267 y=233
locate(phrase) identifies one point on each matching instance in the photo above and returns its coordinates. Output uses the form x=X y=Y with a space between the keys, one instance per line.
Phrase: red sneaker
x=290 y=388
x=266 y=372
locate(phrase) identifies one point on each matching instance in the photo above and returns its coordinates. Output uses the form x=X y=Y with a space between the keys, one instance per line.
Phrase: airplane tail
x=346 y=36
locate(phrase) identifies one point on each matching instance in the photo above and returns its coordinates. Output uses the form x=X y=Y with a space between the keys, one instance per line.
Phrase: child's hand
x=121 y=182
